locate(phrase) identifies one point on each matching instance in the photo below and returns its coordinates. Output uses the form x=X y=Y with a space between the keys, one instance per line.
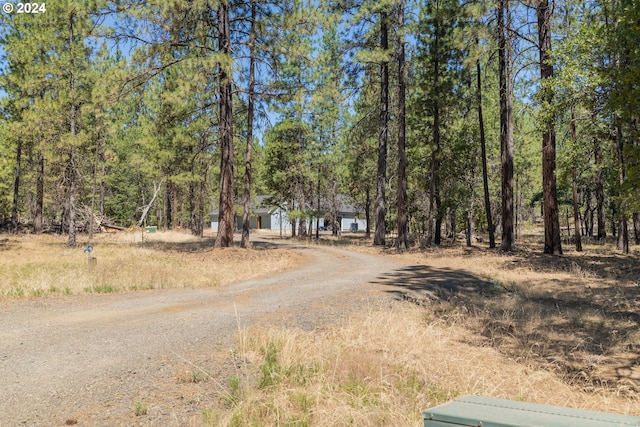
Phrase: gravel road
x=86 y=359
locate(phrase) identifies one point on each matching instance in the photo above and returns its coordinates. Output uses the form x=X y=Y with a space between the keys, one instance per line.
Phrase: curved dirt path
x=87 y=359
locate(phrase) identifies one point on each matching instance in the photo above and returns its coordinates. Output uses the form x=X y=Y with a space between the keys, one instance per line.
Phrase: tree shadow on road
x=422 y=282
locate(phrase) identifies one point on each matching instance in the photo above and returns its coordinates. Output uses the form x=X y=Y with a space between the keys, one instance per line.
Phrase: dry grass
x=35 y=266
x=384 y=367
x=577 y=315
x=521 y=325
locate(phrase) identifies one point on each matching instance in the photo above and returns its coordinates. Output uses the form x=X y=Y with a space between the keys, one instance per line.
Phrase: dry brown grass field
x=521 y=325
x=37 y=266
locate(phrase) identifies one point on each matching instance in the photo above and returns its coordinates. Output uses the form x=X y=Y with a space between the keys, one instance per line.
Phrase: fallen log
x=111 y=227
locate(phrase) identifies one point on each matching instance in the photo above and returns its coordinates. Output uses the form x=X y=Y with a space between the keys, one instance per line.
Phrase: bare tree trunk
x=636 y=227
x=552 y=242
x=246 y=214
x=506 y=126
x=145 y=210
x=403 y=239
x=379 y=237
x=483 y=148
x=226 y=226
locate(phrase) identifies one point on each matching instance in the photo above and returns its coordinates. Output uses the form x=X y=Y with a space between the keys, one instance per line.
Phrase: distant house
x=349 y=216
x=263 y=217
x=269 y=217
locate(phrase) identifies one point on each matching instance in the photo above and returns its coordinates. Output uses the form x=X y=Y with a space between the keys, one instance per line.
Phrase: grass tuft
x=140 y=409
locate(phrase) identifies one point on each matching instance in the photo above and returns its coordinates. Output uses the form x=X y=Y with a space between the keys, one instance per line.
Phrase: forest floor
x=168 y=331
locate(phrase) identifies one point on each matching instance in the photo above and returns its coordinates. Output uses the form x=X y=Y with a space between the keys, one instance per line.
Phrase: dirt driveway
x=88 y=359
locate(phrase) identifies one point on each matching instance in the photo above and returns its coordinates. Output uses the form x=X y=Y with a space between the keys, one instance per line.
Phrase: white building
x=266 y=217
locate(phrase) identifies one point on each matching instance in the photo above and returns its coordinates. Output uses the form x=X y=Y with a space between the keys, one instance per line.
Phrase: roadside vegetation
x=524 y=326
x=517 y=325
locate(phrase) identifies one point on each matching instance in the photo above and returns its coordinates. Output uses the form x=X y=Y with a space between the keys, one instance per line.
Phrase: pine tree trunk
x=102 y=188
x=168 y=206
x=16 y=187
x=318 y=207
x=552 y=242
x=577 y=235
x=434 y=231
x=367 y=212
x=302 y=230
x=37 y=218
x=506 y=126
x=71 y=189
x=483 y=148
x=71 y=164
x=193 y=207
x=574 y=184
x=201 y=206
x=226 y=224
x=432 y=191
x=600 y=203
x=294 y=230
x=623 y=231
x=403 y=239
x=636 y=227
x=379 y=237
x=588 y=214
x=93 y=189
x=470 y=224
x=437 y=232
x=246 y=214
x=450 y=224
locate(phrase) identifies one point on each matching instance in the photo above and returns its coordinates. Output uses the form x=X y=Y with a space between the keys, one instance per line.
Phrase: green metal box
x=477 y=411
